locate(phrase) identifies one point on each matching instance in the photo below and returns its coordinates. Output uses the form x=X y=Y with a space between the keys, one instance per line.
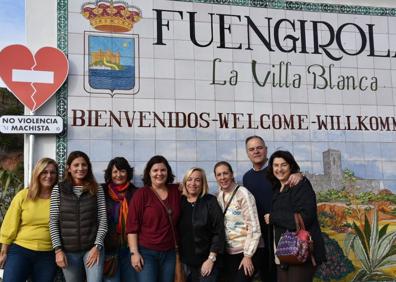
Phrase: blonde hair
x=35 y=186
x=205 y=186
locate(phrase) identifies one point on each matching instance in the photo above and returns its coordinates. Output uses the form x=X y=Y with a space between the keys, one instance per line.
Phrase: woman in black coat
x=201 y=228
x=285 y=202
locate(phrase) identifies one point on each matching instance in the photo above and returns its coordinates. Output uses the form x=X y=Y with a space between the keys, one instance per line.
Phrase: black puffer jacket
x=78 y=219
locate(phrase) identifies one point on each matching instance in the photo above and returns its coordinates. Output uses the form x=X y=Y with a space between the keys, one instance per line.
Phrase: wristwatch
x=212 y=258
x=99 y=247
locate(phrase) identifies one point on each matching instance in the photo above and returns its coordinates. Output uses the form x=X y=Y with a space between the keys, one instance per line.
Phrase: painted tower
x=332 y=163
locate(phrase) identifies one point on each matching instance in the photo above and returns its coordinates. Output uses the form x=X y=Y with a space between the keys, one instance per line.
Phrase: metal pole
x=30 y=157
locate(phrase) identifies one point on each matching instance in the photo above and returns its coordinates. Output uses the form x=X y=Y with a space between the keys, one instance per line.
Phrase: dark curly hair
x=157 y=160
x=288 y=157
x=120 y=163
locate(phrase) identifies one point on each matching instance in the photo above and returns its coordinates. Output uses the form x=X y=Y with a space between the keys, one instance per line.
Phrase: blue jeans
x=158 y=266
x=22 y=263
x=76 y=263
x=125 y=271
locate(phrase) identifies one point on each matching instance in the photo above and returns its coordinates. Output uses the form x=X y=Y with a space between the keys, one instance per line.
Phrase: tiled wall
x=177 y=78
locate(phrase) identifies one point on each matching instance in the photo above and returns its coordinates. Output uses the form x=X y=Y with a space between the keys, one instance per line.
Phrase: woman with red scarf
x=119 y=191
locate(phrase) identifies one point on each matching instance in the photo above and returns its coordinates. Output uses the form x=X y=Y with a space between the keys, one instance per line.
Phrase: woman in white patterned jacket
x=242 y=226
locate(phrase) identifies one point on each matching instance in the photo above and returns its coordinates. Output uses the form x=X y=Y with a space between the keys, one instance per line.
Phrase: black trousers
x=231 y=273
x=296 y=273
x=264 y=264
x=195 y=274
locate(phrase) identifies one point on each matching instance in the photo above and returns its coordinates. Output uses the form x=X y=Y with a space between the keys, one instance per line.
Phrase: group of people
x=116 y=232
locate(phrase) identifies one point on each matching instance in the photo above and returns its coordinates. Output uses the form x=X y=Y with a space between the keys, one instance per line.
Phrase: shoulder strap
x=300 y=226
x=169 y=213
x=299 y=221
x=229 y=202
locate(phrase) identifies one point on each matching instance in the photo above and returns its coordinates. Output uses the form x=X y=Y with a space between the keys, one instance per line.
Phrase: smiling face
x=78 y=170
x=257 y=152
x=194 y=184
x=281 y=169
x=119 y=176
x=47 y=177
x=224 y=177
x=158 y=175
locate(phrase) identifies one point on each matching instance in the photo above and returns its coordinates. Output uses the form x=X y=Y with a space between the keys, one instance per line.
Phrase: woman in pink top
x=150 y=236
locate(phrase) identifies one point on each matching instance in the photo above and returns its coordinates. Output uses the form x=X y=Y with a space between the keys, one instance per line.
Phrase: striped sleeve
x=102 y=217
x=54 y=218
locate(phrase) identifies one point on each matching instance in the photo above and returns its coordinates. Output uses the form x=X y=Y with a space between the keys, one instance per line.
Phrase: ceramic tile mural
x=192 y=79
x=206 y=72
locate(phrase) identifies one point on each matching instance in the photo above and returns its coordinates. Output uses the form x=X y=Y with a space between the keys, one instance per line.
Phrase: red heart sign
x=33 y=79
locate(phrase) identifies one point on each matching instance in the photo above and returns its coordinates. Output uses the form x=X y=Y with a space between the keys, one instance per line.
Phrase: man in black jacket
x=256 y=181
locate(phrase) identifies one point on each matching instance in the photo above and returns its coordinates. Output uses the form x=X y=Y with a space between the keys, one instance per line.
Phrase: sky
x=12 y=24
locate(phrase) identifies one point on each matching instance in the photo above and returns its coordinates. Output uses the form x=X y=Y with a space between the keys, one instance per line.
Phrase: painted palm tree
x=375 y=249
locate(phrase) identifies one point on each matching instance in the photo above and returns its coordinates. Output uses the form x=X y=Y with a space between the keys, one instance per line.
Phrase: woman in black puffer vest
x=78 y=222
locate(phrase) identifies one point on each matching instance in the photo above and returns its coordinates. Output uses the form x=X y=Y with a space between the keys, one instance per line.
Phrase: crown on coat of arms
x=111 y=16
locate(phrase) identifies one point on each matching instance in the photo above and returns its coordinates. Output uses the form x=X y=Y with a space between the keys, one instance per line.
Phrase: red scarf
x=117 y=194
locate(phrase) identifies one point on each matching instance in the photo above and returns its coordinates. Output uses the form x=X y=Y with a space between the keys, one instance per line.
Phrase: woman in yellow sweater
x=26 y=249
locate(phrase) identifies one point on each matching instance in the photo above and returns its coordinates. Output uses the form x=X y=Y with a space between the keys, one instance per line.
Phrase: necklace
x=192 y=201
